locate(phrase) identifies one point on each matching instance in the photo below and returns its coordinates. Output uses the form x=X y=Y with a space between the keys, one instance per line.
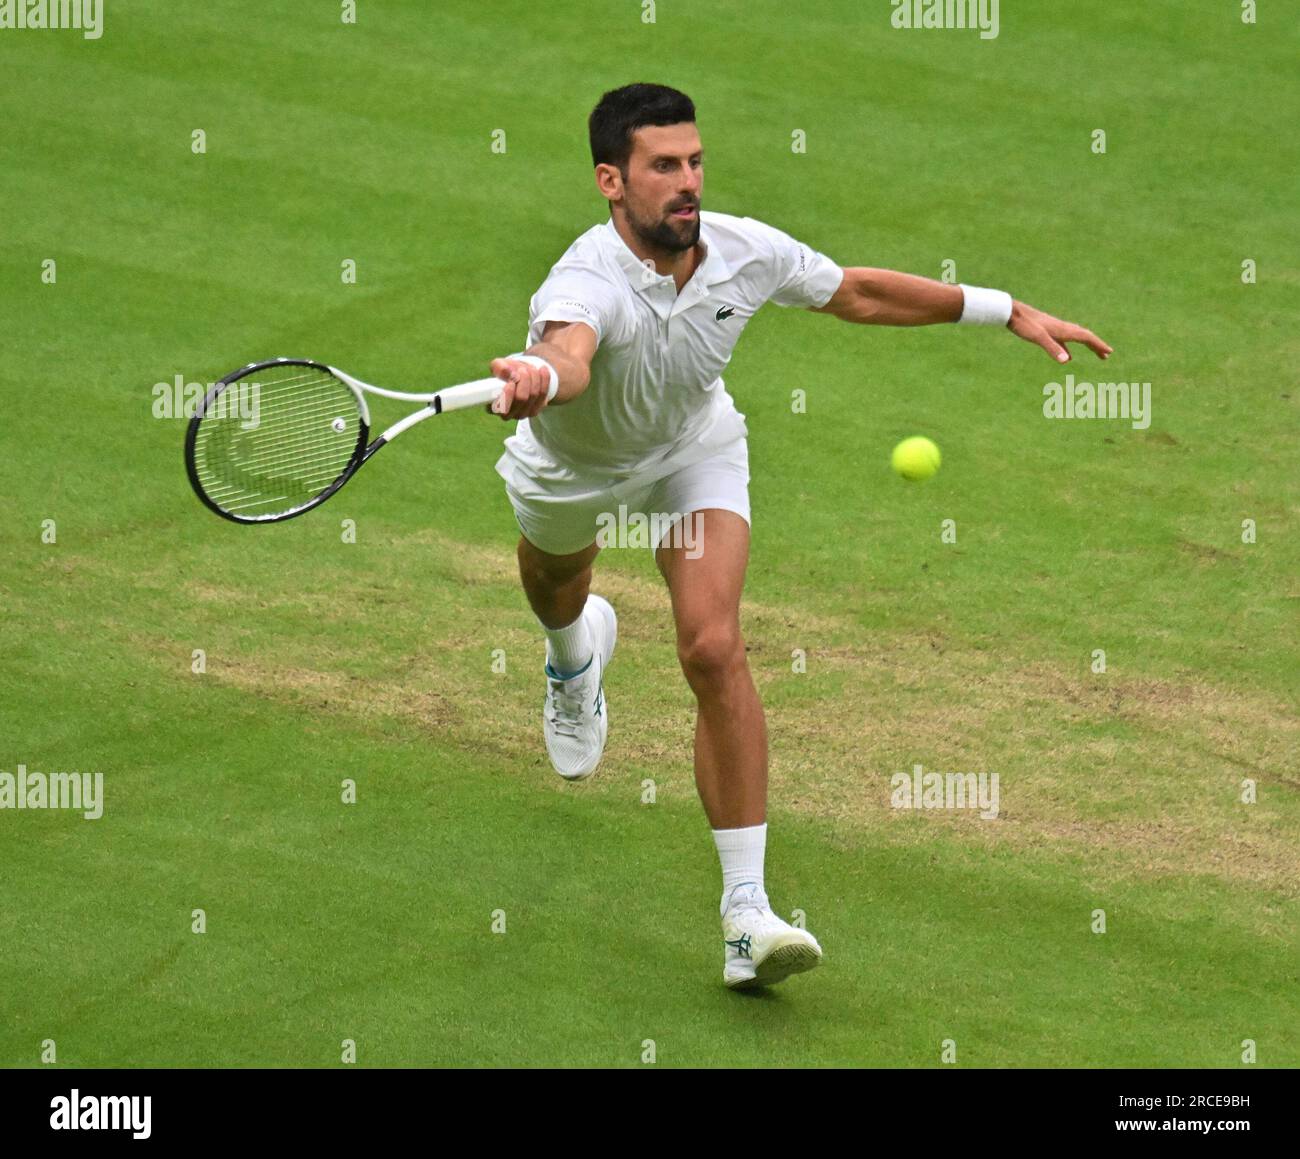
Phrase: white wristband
x=984 y=307
x=536 y=361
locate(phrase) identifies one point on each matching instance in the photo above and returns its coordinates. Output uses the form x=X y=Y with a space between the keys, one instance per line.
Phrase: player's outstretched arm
x=889 y=298
x=567 y=346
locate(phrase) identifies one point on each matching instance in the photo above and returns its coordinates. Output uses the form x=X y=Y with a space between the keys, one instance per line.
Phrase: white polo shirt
x=656 y=401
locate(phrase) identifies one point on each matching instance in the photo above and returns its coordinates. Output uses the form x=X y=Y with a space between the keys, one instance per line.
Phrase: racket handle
x=469 y=394
x=487 y=390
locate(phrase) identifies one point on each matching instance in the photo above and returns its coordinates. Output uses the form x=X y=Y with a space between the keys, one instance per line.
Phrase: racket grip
x=469 y=394
x=486 y=390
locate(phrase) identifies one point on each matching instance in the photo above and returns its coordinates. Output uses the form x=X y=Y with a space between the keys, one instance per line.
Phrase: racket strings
x=284 y=445
x=284 y=455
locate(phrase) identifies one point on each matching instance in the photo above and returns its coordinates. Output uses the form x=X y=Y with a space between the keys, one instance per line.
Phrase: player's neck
x=678 y=264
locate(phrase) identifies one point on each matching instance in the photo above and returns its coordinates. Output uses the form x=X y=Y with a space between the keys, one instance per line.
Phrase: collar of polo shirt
x=712 y=269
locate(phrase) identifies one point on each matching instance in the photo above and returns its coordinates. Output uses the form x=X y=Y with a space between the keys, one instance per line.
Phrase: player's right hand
x=525 y=391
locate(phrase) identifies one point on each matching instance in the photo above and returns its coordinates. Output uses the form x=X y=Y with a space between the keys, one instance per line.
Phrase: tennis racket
x=277 y=438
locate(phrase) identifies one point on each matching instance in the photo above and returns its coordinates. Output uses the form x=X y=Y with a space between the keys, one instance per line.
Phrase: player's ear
x=609 y=181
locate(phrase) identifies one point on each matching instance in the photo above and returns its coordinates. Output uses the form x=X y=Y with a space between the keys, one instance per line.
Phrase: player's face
x=665 y=177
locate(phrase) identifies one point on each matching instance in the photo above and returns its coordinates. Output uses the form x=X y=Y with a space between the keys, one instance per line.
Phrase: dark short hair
x=622 y=112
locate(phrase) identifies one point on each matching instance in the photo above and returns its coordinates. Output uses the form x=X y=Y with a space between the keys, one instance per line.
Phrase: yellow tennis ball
x=915 y=458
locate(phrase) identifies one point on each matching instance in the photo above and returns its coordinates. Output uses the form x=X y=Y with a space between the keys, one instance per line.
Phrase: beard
x=666 y=234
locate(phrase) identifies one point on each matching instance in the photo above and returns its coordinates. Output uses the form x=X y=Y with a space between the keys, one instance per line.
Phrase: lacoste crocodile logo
x=724 y=313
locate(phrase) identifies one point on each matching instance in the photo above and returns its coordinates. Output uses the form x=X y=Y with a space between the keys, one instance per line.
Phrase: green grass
x=371 y=661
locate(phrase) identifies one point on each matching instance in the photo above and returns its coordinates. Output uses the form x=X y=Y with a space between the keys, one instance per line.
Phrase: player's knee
x=711 y=652
x=532 y=571
x=539 y=570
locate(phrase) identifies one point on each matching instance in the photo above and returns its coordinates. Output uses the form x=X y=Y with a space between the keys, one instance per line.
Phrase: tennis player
x=619 y=401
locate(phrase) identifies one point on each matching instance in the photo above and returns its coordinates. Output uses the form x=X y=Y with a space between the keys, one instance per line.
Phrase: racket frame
x=465 y=395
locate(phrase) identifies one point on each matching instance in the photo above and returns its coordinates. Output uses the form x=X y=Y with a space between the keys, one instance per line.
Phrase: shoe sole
x=611 y=627
x=791 y=958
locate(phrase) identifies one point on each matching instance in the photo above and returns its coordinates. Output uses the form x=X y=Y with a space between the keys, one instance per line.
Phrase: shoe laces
x=566 y=708
x=747 y=897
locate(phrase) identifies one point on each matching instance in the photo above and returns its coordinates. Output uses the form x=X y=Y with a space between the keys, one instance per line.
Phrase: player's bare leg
x=730 y=745
x=730 y=732
x=556 y=585
x=580 y=633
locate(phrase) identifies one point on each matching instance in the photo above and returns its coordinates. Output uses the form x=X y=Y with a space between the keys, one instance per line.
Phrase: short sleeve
x=800 y=276
x=574 y=294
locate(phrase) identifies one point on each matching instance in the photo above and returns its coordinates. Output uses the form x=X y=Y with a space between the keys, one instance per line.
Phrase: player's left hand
x=1051 y=333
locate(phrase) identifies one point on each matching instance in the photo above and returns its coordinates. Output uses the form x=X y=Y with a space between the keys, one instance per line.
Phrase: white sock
x=741 y=853
x=568 y=650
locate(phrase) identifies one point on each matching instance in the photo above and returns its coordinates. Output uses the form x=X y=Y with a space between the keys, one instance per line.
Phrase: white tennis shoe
x=761 y=948
x=575 y=716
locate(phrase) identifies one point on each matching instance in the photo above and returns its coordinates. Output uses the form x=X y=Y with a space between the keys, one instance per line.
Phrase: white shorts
x=561 y=524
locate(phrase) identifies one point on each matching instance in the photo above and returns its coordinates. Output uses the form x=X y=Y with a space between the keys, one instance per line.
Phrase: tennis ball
x=915 y=458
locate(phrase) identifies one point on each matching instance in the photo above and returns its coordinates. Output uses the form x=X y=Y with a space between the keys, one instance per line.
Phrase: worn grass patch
x=1142 y=774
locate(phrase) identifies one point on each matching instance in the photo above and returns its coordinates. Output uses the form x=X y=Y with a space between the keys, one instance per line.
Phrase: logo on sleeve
x=579 y=306
x=724 y=313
